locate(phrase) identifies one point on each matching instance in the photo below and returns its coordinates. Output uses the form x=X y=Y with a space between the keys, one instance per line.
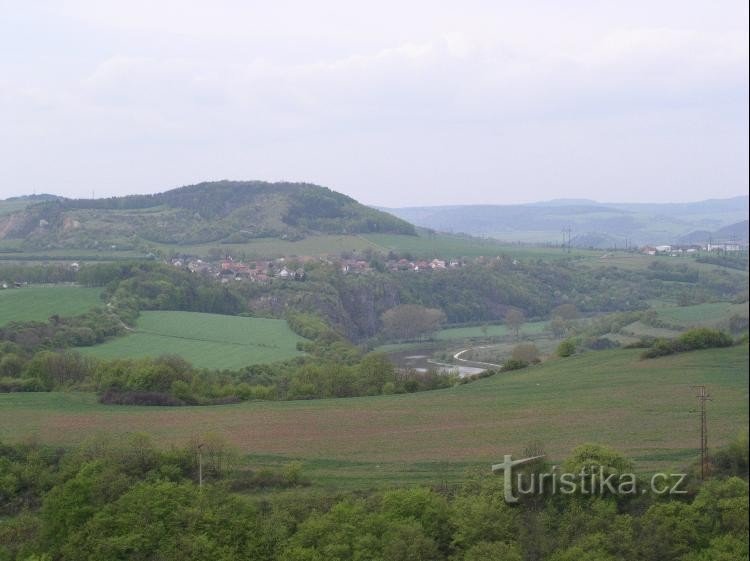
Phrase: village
x=292 y=268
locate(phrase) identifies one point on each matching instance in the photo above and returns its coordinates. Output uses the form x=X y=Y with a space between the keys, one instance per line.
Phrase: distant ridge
x=592 y=224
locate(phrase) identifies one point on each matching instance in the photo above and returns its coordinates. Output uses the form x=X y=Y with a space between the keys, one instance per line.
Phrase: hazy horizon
x=393 y=104
x=376 y=205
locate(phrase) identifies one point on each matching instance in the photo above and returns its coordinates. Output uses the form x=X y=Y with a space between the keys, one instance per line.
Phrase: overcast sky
x=394 y=103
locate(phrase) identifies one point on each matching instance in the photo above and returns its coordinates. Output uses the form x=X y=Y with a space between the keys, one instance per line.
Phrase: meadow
x=445 y=246
x=643 y=408
x=38 y=303
x=451 y=246
x=205 y=340
x=475 y=332
x=702 y=314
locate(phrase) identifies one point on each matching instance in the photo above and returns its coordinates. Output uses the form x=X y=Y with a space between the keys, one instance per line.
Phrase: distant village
x=676 y=250
x=293 y=268
x=263 y=271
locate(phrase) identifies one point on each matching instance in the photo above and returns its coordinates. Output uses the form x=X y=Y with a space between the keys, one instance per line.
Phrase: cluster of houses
x=257 y=271
x=263 y=271
x=393 y=265
x=675 y=250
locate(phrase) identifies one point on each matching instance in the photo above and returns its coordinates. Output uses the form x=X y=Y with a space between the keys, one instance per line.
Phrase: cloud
x=246 y=90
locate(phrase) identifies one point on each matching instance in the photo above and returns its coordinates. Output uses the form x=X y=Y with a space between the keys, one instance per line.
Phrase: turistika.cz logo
x=591 y=480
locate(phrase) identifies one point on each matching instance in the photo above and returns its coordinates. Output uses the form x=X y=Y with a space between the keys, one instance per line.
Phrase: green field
x=445 y=246
x=680 y=318
x=452 y=333
x=641 y=407
x=703 y=314
x=38 y=303
x=450 y=246
x=205 y=340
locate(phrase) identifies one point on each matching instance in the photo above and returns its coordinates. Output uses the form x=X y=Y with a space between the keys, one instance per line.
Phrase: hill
x=216 y=212
x=592 y=224
x=561 y=403
x=733 y=232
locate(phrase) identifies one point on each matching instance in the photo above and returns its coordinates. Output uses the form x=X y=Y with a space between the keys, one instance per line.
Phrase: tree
x=514 y=319
x=566 y=348
x=410 y=321
x=568 y=312
x=526 y=352
x=558 y=326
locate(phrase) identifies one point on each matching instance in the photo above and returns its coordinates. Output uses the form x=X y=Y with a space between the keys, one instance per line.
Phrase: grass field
x=449 y=246
x=640 y=407
x=680 y=318
x=40 y=302
x=703 y=314
x=206 y=340
x=441 y=245
x=452 y=333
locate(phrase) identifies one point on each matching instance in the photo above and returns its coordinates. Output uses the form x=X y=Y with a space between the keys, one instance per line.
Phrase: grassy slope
x=448 y=246
x=40 y=302
x=206 y=340
x=642 y=408
x=703 y=314
x=452 y=333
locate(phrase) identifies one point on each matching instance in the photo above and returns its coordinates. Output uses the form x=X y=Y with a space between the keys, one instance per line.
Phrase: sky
x=393 y=103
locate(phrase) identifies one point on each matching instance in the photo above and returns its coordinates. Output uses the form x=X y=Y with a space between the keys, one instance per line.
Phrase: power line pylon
x=703 y=397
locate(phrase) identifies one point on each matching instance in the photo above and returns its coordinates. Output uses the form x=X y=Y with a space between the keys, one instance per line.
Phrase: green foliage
x=691 y=340
x=133 y=501
x=525 y=352
x=567 y=348
x=410 y=321
x=514 y=364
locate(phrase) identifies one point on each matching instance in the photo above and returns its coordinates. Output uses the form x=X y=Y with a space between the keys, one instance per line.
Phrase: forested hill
x=222 y=211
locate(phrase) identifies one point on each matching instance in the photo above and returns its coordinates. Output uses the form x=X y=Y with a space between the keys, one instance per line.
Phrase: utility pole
x=703 y=397
x=200 y=466
x=566 y=236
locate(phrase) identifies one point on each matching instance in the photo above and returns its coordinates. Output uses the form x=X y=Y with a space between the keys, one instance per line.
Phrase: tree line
x=109 y=499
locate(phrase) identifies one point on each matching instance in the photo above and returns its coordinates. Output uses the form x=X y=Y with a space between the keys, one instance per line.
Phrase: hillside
x=216 y=212
x=561 y=403
x=592 y=224
x=737 y=232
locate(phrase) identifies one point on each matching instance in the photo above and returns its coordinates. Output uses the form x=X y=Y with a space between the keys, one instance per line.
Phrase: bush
x=514 y=364
x=600 y=343
x=8 y=385
x=692 y=340
x=525 y=352
x=567 y=348
x=112 y=397
x=704 y=338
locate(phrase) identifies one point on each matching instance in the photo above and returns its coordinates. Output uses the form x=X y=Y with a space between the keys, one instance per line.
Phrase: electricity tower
x=703 y=397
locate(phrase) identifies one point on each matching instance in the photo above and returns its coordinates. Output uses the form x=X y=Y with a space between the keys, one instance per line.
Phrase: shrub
x=600 y=343
x=567 y=348
x=112 y=397
x=692 y=340
x=514 y=364
x=525 y=352
x=704 y=338
x=8 y=385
